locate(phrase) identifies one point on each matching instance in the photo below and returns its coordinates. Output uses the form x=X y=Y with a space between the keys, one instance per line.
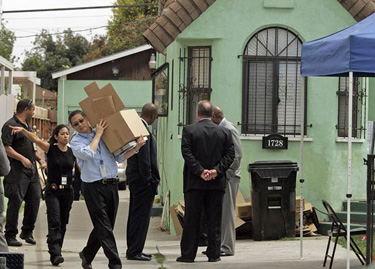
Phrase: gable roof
x=359 y=9
x=177 y=15
x=103 y=60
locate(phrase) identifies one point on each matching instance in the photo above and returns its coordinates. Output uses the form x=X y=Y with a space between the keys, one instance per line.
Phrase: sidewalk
x=249 y=253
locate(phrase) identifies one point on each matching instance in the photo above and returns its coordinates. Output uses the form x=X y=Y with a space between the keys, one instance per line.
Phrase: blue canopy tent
x=348 y=53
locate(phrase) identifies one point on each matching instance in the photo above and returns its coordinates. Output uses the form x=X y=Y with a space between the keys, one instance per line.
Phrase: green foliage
x=122 y=16
x=160 y=258
x=51 y=54
x=125 y=29
x=7 y=40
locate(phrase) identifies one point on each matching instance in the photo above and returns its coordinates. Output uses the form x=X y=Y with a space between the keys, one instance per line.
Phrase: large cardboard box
x=124 y=126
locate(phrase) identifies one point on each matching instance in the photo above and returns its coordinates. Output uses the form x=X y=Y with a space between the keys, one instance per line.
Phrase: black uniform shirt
x=59 y=163
x=18 y=141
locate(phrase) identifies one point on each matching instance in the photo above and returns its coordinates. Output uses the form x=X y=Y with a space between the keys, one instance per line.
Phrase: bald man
x=233 y=176
x=143 y=177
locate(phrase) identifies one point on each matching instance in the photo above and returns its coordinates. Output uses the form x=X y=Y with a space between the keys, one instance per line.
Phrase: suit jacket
x=234 y=171
x=205 y=145
x=143 y=166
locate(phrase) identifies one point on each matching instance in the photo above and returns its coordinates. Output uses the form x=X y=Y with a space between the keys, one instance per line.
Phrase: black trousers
x=102 y=203
x=141 y=201
x=20 y=185
x=211 y=201
x=59 y=204
x=77 y=184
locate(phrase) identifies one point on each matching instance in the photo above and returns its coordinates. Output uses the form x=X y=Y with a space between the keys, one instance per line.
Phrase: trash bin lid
x=266 y=169
x=273 y=165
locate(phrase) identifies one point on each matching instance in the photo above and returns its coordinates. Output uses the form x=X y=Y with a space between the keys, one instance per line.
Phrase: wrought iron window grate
x=194 y=82
x=359 y=108
x=272 y=83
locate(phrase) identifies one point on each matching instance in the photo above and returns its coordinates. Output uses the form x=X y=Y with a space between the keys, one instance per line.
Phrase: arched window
x=272 y=83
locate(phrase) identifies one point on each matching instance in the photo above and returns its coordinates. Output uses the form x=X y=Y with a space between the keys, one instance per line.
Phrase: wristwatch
x=135 y=151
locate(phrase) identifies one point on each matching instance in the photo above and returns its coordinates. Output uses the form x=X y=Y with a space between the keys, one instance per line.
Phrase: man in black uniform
x=22 y=183
x=143 y=176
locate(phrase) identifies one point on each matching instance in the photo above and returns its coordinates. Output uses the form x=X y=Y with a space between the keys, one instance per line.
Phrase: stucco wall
x=227 y=26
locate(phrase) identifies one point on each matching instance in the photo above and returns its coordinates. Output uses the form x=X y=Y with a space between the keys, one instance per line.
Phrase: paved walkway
x=249 y=253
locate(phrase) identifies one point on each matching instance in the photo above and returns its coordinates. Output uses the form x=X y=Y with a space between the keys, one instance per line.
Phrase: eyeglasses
x=29 y=103
x=80 y=121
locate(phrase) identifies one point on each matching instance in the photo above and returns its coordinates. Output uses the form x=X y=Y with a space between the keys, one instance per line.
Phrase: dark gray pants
x=141 y=201
x=21 y=185
x=211 y=201
x=59 y=203
x=102 y=203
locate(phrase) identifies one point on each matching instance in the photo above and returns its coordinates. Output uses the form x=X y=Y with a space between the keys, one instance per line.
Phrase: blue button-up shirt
x=90 y=161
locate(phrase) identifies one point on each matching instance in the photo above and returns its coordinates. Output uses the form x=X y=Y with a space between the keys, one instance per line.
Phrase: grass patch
x=360 y=240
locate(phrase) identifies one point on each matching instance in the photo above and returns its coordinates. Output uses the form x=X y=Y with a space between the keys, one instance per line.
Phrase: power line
x=55 y=17
x=89 y=29
x=76 y=8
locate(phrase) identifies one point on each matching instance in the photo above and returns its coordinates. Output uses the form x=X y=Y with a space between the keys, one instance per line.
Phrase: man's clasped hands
x=208 y=175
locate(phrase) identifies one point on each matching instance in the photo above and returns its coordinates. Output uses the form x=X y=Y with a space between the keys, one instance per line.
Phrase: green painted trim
x=278 y=3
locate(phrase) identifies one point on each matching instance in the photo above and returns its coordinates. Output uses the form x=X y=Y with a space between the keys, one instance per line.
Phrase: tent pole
x=301 y=170
x=348 y=194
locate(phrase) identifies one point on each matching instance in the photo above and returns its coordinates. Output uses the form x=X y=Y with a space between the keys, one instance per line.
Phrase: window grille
x=272 y=83
x=359 y=108
x=194 y=81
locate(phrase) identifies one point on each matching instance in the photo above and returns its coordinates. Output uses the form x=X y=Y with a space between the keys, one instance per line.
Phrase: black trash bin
x=273 y=196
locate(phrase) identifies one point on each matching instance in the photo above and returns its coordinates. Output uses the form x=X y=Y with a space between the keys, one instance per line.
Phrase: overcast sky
x=25 y=24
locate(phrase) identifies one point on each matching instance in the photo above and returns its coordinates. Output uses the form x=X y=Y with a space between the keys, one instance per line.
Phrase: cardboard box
x=124 y=126
x=243 y=211
x=298 y=203
x=176 y=223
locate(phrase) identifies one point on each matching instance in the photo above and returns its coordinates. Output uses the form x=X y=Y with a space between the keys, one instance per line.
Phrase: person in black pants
x=59 y=191
x=99 y=186
x=208 y=152
x=22 y=182
x=143 y=176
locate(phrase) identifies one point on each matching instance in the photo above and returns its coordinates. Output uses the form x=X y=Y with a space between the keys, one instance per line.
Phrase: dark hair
x=75 y=112
x=23 y=104
x=56 y=132
x=204 y=108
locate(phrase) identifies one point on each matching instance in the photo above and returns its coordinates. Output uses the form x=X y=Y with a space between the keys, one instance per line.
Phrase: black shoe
x=139 y=257
x=146 y=254
x=182 y=259
x=56 y=260
x=85 y=264
x=214 y=260
x=224 y=254
x=13 y=242
x=28 y=238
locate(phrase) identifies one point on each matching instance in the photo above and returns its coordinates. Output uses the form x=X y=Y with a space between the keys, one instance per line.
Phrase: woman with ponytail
x=59 y=191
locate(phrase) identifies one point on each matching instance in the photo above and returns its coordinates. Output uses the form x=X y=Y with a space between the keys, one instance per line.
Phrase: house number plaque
x=275 y=141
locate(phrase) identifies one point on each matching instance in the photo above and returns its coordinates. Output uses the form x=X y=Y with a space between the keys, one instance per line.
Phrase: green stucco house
x=244 y=55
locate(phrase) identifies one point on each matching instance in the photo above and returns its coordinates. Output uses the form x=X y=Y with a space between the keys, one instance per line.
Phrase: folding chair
x=338 y=229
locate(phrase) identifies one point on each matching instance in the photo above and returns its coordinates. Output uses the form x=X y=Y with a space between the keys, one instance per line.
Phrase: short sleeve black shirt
x=59 y=163
x=19 y=142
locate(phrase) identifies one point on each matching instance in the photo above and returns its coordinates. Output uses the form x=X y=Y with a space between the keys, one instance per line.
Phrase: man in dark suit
x=143 y=177
x=208 y=152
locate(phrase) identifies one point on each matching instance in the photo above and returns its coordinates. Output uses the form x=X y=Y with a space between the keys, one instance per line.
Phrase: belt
x=107 y=181
x=55 y=186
